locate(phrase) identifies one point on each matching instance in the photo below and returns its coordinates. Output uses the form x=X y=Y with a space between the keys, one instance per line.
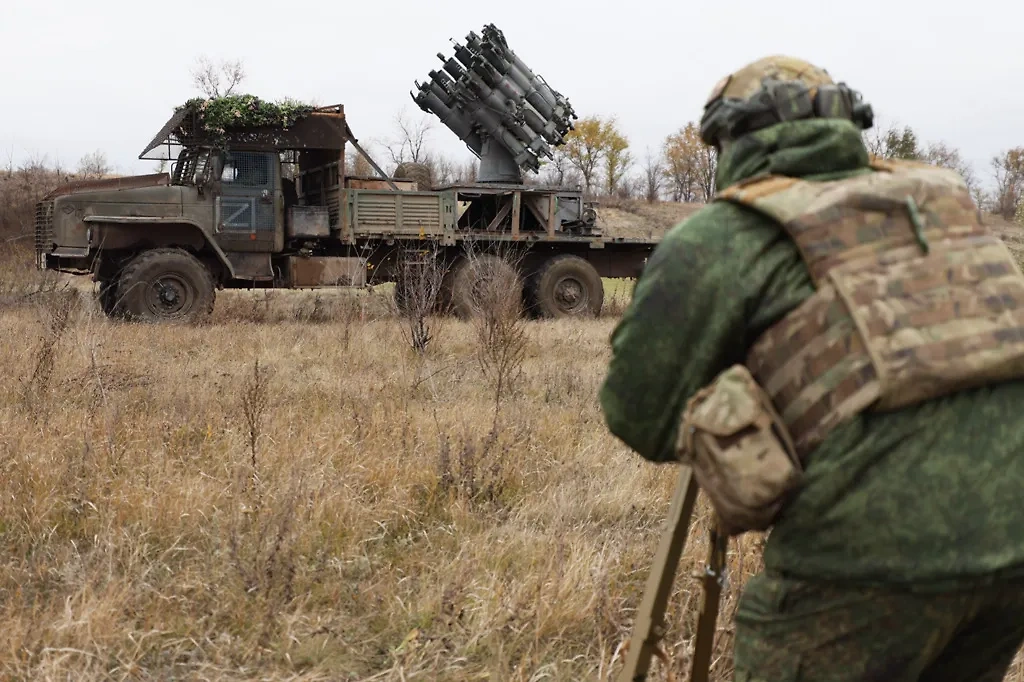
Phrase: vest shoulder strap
x=835 y=221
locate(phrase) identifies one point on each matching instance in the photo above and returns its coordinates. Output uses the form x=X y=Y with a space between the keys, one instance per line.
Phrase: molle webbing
x=915 y=298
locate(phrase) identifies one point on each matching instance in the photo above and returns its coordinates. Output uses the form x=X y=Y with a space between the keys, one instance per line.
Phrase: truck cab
x=160 y=244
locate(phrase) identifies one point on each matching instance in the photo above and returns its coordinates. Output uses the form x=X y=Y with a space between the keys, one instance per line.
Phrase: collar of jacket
x=817 y=149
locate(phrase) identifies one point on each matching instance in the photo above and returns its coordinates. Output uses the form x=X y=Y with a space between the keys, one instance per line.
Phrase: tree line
x=598 y=157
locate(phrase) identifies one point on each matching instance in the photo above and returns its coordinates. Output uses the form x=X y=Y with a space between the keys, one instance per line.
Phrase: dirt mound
x=640 y=219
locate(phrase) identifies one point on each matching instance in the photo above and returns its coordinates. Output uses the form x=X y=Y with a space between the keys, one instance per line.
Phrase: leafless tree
x=357 y=164
x=217 y=80
x=892 y=142
x=410 y=141
x=469 y=171
x=1008 y=172
x=629 y=187
x=445 y=171
x=555 y=169
x=652 y=176
x=93 y=165
x=707 y=168
x=945 y=156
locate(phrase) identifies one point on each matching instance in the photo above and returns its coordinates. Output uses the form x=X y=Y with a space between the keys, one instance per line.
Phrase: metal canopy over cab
x=324 y=128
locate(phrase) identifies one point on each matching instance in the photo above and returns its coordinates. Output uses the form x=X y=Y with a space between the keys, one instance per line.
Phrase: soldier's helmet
x=773 y=90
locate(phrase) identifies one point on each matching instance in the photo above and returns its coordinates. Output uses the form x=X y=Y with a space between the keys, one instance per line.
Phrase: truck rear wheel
x=166 y=285
x=567 y=286
x=482 y=277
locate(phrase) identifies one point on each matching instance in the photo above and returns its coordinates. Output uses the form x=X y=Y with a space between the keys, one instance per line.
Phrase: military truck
x=271 y=206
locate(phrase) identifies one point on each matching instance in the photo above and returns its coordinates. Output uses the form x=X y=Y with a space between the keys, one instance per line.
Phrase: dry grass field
x=291 y=492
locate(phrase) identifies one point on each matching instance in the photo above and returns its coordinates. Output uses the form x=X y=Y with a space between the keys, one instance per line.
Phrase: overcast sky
x=106 y=74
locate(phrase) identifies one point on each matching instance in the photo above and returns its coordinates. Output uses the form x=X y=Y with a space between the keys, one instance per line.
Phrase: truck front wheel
x=166 y=285
x=567 y=286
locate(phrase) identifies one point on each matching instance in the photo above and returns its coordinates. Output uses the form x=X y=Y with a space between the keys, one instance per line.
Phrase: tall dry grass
x=269 y=496
x=291 y=491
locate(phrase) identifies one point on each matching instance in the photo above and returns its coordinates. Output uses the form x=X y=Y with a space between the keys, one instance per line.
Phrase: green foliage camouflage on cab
x=216 y=116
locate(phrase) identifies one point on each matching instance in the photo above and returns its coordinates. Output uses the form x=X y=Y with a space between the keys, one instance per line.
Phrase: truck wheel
x=445 y=300
x=567 y=286
x=472 y=276
x=166 y=285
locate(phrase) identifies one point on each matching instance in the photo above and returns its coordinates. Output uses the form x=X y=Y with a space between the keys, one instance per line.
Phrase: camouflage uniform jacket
x=929 y=495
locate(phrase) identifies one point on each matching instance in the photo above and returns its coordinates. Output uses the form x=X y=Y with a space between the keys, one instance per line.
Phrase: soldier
x=885 y=326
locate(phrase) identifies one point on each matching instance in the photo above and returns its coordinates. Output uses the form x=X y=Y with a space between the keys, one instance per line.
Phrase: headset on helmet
x=777 y=101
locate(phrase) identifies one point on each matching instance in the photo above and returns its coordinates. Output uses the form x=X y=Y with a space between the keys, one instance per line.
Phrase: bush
x=220 y=114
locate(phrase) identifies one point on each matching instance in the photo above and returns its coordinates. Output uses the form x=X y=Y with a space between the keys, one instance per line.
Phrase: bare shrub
x=418 y=292
x=20 y=282
x=259 y=306
x=217 y=80
x=20 y=189
x=396 y=536
x=94 y=166
x=261 y=544
x=498 y=322
x=474 y=470
x=255 y=399
x=351 y=311
x=56 y=311
x=314 y=310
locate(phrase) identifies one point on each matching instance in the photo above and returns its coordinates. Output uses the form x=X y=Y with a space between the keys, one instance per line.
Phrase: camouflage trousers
x=790 y=630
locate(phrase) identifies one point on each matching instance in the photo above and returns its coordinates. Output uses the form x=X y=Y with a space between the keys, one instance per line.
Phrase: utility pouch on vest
x=740 y=451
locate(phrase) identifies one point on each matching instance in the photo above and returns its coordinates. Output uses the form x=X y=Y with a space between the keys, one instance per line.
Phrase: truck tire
x=445 y=297
x=470 y=275
x=166 y=285
x=567 y=286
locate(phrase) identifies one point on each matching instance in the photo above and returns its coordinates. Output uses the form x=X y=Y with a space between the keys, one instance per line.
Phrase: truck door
x=248 y=203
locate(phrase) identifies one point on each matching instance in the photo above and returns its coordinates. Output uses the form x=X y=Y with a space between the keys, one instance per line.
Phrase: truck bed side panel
x=399 y=213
